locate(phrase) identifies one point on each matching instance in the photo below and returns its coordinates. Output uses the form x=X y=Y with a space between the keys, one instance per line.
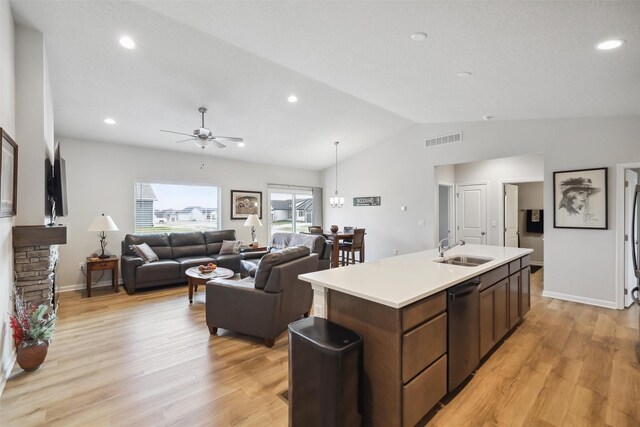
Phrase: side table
x=110 y=263
x=253 y=248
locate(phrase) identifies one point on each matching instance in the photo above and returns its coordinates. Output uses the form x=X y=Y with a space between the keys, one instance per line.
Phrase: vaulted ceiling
x=359 y=76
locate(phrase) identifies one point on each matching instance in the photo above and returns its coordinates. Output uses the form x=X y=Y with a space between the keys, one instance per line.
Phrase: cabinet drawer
x=514 y=266
x=493 y=276
x=105 y=265
x=423 y=310
x=424 y=392
x=423 y=345
x=525 y=261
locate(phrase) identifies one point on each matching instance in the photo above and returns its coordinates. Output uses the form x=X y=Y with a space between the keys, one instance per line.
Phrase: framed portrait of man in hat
x=580 y=199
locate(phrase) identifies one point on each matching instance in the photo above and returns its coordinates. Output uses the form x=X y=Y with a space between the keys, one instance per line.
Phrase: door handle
x=482 y=233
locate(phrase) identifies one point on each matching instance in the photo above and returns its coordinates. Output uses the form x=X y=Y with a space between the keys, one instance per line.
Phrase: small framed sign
x=366 y=201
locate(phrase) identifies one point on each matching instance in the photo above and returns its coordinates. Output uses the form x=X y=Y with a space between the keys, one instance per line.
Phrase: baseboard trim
x=83 y=286
x=582 y=300
x=537 y=263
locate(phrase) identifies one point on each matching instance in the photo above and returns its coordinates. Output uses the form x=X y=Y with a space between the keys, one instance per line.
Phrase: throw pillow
x=145 y=252
x=230 y=247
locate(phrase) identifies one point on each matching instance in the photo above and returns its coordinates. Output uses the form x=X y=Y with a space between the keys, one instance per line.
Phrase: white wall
x=7 y=122
x=579 y=264
x=100 y=178
x=530 y=196
x=34 y=124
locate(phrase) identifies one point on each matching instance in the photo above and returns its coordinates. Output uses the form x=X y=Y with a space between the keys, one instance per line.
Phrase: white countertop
x=401 y=280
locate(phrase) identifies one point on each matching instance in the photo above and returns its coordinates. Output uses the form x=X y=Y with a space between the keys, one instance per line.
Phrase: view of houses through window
x=291 y=211
x=165 y=208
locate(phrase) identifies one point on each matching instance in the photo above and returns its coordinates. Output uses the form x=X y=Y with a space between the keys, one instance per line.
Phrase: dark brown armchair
x=263 y=306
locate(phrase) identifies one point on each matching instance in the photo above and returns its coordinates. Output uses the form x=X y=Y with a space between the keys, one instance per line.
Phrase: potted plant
x=33 y=327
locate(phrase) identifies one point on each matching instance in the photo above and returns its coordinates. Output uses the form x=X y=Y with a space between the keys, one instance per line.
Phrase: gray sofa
x=263 y=306
x=317 y=244
x=177 y=252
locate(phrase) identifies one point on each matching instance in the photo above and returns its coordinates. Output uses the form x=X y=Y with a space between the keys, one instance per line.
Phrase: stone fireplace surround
x=35 y=256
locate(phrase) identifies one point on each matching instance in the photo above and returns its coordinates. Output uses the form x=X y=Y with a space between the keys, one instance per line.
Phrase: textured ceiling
x=358 y=75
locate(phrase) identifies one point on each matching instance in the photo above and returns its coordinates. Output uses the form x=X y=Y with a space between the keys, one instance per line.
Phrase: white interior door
x=511 y=232
x=630 y=280
x=472 y=213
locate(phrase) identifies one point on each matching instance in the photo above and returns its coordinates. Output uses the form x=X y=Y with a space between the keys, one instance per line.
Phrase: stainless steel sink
x=463 y=260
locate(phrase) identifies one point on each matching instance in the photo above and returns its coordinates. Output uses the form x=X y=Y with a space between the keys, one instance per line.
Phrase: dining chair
x=348 y=230
x=356 y=245
x=315 y=229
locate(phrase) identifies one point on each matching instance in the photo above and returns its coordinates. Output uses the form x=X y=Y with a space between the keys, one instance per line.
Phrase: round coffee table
x=196 y=278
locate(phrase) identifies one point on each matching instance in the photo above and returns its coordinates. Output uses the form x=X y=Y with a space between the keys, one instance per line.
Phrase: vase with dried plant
x=33 y=327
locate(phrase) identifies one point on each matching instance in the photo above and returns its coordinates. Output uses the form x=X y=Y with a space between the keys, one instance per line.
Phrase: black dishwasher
x=463 y=344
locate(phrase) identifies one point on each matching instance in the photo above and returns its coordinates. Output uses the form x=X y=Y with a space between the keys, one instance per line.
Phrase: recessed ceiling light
x=292 y=99
x=487 y=117
x=127 y=42
x=241 y=144
x=610 y=44
x=418 y=37
x=109 y=121
x=464 y=74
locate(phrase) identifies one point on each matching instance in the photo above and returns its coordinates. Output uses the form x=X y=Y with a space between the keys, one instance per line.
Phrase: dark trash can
x=325 y=371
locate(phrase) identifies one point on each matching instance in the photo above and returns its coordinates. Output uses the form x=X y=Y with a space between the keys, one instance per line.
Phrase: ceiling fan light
x=202 y=143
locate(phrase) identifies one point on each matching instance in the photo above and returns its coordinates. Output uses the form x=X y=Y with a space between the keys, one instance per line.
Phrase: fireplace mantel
x=42 y=235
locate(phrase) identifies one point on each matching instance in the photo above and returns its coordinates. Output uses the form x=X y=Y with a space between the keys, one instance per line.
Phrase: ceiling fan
x=203 y=137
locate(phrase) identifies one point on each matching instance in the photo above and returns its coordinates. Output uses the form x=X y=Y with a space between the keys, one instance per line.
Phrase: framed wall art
x=245 y=203
x=8 y=175
x=580 y=199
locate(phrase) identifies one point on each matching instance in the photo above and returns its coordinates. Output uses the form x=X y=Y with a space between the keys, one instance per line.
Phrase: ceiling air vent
x=445 y=139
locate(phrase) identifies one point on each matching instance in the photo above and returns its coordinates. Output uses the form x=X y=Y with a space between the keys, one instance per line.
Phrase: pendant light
x=335 y=201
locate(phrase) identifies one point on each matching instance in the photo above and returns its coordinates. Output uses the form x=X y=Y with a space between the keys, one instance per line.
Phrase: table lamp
x=253 y=221
x=103 y=223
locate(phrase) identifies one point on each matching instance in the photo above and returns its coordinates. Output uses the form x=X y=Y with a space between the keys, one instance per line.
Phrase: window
x=292 y=209
x=165 y=208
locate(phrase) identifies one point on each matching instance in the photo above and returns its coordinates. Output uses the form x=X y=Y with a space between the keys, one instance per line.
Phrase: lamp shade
x=253 y=221
x=103 y=223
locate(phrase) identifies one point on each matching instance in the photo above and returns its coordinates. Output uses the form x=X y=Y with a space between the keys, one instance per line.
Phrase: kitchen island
x=400 y=307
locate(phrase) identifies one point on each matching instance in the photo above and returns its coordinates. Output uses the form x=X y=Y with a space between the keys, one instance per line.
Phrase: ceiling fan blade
x=217 y=144
x=178 y=133
x=228 y=138
x=185 y=140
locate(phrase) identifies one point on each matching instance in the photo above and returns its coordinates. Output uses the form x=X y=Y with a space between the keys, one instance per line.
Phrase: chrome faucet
x=443 y=249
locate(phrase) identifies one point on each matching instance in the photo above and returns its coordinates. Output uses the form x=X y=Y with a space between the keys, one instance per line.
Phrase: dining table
x=336 y=238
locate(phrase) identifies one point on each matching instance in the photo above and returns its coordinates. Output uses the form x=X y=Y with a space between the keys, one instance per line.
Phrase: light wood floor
x=148 y=360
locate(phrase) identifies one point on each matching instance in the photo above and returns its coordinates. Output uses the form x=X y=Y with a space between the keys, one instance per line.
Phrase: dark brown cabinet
x=505 y=298
x=525 y=290
x=405 y=360
x=514 y=300
x=494 y=315
x=406 y=355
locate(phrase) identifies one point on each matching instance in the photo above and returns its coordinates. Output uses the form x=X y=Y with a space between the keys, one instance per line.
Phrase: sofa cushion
x=145 y=252
x=159 y=243
x=162 y=270
x=276 y=258
x=230 y=247
x=187 y=244
x=213 y=239
x=232 y=262
x=194 y=261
